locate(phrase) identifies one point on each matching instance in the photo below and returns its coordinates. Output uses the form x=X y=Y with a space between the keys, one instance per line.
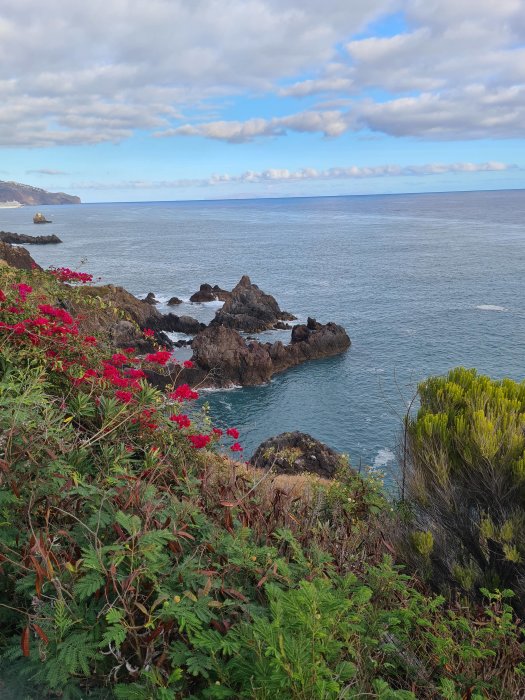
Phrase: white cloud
x=302 y=175
x=46 y=171
x=329 y=123
x=73 y=71
x=76 y=72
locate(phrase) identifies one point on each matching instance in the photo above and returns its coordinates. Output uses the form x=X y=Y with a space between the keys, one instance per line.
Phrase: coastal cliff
x=26 y=194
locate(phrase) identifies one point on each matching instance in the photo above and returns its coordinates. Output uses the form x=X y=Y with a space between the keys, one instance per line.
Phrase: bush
x=465 y=482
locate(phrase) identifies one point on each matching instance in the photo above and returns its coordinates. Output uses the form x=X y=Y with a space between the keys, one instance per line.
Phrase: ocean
x=422 y=283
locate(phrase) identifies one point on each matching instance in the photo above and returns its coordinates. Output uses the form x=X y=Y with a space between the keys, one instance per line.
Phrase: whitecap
x=383 y=458
x=490 y=307
x=214 y=389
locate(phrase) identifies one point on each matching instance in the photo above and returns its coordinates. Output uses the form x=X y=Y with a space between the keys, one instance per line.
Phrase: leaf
x=24 y=641
x=89 y=584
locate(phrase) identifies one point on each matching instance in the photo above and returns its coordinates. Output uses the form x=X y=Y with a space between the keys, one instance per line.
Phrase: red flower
x=128 y=351
x=148 y=333
x=124 y=396
x=160 y=357
x=118 y=359
x=182 y=393
x=233 y=432
x=181 y=420
x=199 y=441
x=217 y=431
x=2 y=296
x=188 y=364
x=90 y=340
x=23 y=290
x=236 y=447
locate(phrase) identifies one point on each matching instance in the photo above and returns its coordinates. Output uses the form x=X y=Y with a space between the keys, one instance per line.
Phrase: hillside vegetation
x=139 y=559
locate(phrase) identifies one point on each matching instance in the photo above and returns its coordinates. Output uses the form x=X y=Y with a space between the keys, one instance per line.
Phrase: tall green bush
x=465 y=481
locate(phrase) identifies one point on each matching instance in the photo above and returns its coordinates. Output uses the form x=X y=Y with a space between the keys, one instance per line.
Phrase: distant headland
x=15 y=192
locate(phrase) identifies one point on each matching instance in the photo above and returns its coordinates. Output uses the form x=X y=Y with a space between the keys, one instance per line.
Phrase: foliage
x=135 y=563
x=466 y=482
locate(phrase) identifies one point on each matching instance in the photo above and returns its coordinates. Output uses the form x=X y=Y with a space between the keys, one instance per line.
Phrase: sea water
x=422 y=283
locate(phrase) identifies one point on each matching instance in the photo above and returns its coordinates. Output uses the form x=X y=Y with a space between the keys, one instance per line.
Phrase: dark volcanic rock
x=150 y=298
x=205 y=293
x=294 y=453
x=177 y=324
x=249 y=309
x=8 y=237
x=227 y=358
x=208 y=293
x=174 y=301
x=17 y=257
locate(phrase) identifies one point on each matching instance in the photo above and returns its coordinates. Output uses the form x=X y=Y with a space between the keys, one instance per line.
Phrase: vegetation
x=138 y=560
x=466 y=483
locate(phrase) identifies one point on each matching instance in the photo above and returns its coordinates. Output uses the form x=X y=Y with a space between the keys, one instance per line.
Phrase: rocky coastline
x=222 y=354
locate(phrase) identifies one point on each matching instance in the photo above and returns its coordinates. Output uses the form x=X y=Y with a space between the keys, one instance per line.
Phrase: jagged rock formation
x=224 y=358
x=150 y=298
x=295 y=453
x=174 y=301
x=249 y=309
x=177 y=324
x=208 y=293
x=26 y=194
x=16 y=257
x=8 y=237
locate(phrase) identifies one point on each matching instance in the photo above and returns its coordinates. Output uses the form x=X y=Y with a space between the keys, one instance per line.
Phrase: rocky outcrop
x=15 y=238
x=295 y=453
x=174 y=301
x=224 y=358
x=249 y=309
x=26 y=194
x=40 y=219
x=150 y=298
x=17 y=257
x=208 y=293
x=171 y=323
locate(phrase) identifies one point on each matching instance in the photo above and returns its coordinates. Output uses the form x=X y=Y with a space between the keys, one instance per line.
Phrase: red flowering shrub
x=183 y=393
x=233 y=432
x=199 y=441
x=64 y=274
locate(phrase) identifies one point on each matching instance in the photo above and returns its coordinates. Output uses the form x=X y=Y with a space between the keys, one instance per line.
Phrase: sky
x=141 y=100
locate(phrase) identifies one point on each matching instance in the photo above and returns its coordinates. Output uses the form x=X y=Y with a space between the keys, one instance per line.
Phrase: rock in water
x=208 y=293
x=295 y=453
x=8 y=237
x=227 y=358
x=249 y=309
x=40 y=219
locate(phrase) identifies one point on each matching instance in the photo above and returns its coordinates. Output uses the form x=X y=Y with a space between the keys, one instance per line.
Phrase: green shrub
x=465 y=480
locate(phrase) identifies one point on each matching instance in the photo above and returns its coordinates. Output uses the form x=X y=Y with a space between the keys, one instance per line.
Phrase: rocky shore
x=222 y=355
x=25 y=239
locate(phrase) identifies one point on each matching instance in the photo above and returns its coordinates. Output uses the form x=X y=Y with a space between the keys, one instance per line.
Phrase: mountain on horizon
x=26 y=194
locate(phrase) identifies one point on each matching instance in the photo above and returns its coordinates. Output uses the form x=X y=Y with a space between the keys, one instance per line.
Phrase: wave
x=383 y=458
x=490 y=307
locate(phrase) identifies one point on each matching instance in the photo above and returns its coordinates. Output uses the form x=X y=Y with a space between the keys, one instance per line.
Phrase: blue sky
x=198 y=99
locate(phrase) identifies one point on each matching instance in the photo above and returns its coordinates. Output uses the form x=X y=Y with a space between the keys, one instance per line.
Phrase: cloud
x=88 y=72
x=77 y=72
x=272 y=175
x=46 y=171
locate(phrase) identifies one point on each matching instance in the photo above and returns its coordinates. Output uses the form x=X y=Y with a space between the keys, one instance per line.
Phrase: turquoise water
x=422 y=283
